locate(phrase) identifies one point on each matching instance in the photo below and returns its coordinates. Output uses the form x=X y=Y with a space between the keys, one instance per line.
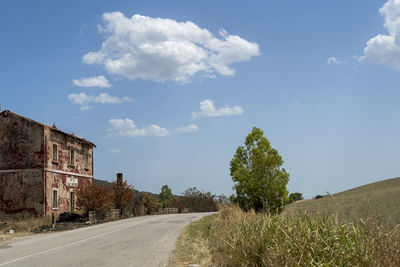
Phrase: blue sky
x=168 y=89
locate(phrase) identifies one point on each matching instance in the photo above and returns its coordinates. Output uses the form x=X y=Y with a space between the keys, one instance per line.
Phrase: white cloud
x=86 y=101
x=127 y=99
x=156 y=130
x=385 y=49
x=187 y=129
x=160 y=49
x=128 y=128
x=99 y=81
x=207 y=109
x=333 y=60
x=81 y=99
x=125 y=128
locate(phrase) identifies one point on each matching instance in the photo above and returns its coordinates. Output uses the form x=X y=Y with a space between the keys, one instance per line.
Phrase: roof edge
x=83 y=140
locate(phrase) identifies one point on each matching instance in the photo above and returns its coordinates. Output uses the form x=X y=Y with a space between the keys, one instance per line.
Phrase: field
x=380 y=200
x=358 y=227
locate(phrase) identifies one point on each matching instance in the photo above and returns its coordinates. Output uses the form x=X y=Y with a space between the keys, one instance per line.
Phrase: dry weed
x=237 y=238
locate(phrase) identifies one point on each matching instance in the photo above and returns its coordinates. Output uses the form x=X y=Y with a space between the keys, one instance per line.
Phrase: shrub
x=198 y=201
x=122 y=194
x=146 y=204
x=293 y=197
x=95 y=198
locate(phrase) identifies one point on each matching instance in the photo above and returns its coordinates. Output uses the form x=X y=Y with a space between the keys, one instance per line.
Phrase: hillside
x=106 y=183
x=380 y=199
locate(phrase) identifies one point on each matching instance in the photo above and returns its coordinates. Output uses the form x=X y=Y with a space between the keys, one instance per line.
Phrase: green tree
x=146 y=204
x=166 y=196
x=293 y=197
x=260 y=181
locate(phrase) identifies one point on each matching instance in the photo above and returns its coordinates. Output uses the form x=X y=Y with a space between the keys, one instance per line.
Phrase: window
x=55 y=199
x=55 y=152
x=72 y=201
x=86 y=155
x=72 y=158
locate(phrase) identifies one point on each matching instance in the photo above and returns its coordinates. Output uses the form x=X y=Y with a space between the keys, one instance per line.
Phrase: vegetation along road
x=140 y=241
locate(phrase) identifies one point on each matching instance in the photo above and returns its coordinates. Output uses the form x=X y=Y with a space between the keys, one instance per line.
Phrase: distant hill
x=108 y=184
x=102 y=182
x=380 y=199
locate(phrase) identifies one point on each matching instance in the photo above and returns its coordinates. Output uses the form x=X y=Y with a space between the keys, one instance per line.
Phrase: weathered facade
x=40 y=166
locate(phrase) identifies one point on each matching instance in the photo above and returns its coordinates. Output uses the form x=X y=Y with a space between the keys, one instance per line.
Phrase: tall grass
x=236 y=238
x=379 y=200
x=22 y=223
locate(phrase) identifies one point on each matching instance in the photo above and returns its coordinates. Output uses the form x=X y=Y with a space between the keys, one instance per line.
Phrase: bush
x=95 y=198
x=293 y=197
x=198 y=201
x=122 y=194
x=70 y=217
x=146 y=204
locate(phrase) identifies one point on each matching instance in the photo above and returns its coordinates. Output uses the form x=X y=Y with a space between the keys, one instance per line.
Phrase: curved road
x=139 y=241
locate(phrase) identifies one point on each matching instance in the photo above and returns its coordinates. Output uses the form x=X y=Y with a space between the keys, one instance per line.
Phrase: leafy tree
x=293 y=197
x=166 y=196
x=199 y=201
x=260 y=181
x=146 y=204
x=222 y=199
x=122 y=194
x=95 y=198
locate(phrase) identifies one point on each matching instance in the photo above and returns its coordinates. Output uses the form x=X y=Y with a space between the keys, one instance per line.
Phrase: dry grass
x=21 y=224
x=236 y=238
x=192 y=244
x=380 y=200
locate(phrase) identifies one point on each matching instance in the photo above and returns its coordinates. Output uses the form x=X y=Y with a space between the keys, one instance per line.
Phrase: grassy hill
x=380 y=200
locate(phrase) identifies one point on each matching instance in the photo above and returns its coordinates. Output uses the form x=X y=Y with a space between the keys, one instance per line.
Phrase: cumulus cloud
x=125 y=128
x=99 y=81
x=128 y=128
x=385 y=49
x=156 y=130
x=207 y=109
x=187 y=129
x=333 y=60
x=161 y=49
x=86 y=101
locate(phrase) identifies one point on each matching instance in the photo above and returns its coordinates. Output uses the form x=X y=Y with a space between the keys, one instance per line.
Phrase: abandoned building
x=41 y=166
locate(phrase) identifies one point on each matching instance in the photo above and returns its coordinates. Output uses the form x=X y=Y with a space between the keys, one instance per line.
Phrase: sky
x=168 y=90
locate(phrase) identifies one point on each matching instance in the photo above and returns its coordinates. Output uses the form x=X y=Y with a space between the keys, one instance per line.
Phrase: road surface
x=141 y=241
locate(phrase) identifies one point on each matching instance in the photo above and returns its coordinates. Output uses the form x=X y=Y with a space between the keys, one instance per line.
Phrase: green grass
x=380 y=200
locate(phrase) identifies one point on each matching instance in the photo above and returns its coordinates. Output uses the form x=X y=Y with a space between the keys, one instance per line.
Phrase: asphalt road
x=141 y=241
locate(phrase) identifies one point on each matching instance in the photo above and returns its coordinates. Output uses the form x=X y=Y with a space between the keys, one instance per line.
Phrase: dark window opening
x=86 y=153
x=72 y=201
x=55 y=152
x=55 y=199
x=72 y=159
